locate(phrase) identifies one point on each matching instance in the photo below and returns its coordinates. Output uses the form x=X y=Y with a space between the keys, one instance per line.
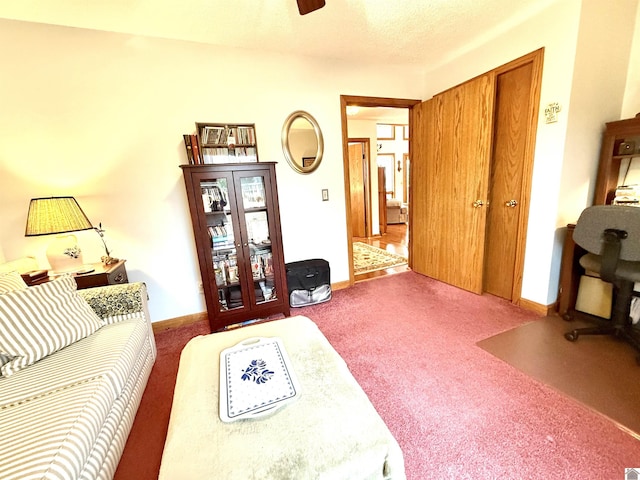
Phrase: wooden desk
x=570 y=272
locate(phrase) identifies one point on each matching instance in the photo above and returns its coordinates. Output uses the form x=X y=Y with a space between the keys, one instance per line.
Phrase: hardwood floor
x=396 y=240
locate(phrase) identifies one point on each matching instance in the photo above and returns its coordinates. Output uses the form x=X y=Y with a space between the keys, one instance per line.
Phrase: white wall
x=398 y=147
x=631 y=102
x=101 y=115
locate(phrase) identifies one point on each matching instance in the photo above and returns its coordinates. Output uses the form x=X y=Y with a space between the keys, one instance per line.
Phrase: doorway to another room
x=395 y=241
x=377 y=181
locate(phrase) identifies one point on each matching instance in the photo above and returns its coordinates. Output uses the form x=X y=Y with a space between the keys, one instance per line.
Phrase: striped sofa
x=68 y=415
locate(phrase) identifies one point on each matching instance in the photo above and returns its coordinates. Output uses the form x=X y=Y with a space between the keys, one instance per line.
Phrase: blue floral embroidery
x=257 y=371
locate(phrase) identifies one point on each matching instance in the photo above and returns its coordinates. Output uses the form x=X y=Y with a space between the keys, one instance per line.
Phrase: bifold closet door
x=449 y=183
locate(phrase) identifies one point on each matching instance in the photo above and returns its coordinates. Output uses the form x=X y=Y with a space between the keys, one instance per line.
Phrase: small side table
x=103 y=275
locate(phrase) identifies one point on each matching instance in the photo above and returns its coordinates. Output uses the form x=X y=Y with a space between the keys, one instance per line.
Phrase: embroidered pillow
x=40 y=320
x=10 y=281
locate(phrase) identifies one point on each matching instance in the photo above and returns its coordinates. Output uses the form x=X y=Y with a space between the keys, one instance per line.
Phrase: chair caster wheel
x=572 y=336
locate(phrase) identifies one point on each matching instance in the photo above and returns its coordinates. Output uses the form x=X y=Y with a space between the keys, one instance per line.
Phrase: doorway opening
x=377 y=177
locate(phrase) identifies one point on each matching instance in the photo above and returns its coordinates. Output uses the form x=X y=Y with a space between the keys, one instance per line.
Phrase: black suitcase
x=308 y=282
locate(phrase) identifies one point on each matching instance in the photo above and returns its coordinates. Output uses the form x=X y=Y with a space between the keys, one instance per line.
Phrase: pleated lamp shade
x=55 y=215
x=59 y=216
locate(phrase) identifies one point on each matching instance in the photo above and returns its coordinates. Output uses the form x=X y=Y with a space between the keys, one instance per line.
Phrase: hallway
x=396 y=240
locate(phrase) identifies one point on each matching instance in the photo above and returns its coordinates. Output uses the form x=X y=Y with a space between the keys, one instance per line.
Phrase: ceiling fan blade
x=308 y=6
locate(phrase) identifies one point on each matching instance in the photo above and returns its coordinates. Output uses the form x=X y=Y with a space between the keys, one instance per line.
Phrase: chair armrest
x=117 y=302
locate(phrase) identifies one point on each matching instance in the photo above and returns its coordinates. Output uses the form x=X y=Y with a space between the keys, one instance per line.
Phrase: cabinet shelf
x=224 y=145
x=627 y=156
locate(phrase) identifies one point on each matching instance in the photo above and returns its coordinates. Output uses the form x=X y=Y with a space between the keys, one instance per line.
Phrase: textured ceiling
x=410 y=32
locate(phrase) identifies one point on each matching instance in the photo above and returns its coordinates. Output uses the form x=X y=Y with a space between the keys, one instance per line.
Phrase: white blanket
x=332 y=431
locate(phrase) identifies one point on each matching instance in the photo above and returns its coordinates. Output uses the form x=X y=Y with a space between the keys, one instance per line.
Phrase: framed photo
x=308 y=161
x=385 y=131
x=405 y=132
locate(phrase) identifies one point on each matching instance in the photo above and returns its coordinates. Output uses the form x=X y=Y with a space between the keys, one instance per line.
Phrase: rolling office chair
x=611 y=236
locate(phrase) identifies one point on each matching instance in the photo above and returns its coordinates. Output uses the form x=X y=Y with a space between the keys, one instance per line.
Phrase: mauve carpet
x=456 y=410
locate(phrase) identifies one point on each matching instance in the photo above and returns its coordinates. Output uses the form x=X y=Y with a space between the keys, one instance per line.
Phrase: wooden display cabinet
x=236 y=225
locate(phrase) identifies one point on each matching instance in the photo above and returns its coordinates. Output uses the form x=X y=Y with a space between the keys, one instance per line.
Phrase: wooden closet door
x=513 y=107
x=449 y=183
x=358 y=206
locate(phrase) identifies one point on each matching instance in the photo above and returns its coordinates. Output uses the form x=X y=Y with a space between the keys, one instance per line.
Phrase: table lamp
x=59 y=216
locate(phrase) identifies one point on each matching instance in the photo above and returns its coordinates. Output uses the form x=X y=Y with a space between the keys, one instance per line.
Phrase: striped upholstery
x=109 y=445
x=68 y=415
x=51 y=436
x=113 y=350
x=40 y=320
x=10 y=281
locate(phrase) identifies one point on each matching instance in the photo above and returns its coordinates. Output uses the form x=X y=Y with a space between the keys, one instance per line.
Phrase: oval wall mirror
x=302 y=142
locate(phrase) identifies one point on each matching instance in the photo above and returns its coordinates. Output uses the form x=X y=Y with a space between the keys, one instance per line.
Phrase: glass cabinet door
x=257 y=229
x=222 y=232
x=239 y=231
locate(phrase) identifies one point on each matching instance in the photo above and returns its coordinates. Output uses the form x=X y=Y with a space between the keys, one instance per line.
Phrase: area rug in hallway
x=367 y=258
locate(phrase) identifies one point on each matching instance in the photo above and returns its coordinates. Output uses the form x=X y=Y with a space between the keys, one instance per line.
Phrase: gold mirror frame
x=286 y=148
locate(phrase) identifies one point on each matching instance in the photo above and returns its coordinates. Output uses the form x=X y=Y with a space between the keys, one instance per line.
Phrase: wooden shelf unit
x=610 y=160
x=238 y=240
x=227 y=143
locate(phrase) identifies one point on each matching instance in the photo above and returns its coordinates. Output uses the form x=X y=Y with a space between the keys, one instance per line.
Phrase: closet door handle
x=478 y=204
x=511 y=203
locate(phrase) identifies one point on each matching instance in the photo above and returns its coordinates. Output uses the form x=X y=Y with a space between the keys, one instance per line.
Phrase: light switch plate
x=325 y=194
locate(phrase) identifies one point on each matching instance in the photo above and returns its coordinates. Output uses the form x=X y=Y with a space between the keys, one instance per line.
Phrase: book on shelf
x=225 y=143
x=246 y=136
x=213 y=135
x=211 y=155
x=188 y=148
x=196 y=149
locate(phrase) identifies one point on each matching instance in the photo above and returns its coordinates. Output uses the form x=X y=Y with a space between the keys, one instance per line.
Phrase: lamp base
x=64 y=255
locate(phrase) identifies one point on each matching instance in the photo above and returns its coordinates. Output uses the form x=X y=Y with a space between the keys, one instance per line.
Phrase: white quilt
x=332 y=431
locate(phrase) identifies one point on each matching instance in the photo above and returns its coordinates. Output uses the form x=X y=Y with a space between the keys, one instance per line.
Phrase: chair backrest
x=596 y=219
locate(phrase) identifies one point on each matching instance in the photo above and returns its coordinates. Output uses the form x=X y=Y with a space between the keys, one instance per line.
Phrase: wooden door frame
x=355 y=100
x=366 y=179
